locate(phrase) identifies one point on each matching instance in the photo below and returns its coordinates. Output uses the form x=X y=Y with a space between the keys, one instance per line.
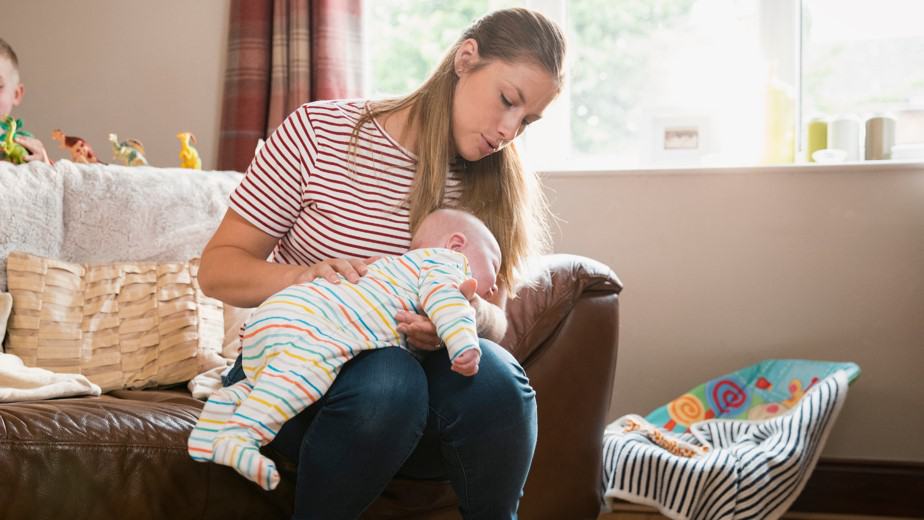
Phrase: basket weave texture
x=123 y=325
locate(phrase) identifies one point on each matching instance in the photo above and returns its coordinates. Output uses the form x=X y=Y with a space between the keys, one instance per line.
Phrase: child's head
x=11 y=88
x=463 y=232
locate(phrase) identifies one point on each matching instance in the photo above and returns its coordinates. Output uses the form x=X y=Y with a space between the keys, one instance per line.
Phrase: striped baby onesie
x=296 y=342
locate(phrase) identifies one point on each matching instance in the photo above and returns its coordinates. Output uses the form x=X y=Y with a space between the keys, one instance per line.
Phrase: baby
x=296 y=342
x=11 y=94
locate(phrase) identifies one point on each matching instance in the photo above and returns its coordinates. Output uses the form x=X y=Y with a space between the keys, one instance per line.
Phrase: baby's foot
x=215 y=414
x=244 y=456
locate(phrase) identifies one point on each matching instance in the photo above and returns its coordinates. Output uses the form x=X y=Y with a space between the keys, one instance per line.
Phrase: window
x=405 y=39
x=865 y=58
x=684 y=82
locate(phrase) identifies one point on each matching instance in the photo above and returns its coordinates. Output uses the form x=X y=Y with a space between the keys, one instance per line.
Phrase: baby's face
x=484 y=260
x=10 y=88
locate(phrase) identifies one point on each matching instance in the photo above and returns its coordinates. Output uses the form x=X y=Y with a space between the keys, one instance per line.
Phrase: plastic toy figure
x=189 y=156
x=129 y=152
x=13 y=151
x=80 y=150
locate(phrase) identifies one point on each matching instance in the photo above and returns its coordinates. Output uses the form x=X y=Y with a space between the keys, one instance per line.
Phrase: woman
x=341 y=181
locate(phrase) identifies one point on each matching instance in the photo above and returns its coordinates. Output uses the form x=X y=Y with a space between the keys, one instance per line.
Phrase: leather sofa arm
x=553 y=289
x=564 y=330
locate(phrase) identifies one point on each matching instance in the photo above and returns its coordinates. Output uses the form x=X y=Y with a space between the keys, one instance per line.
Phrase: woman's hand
x=350 y=268
x=35 y=148
x=420 y=331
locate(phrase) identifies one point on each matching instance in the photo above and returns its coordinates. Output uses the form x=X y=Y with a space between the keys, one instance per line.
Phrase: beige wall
x=725 y=268
x=139 y=69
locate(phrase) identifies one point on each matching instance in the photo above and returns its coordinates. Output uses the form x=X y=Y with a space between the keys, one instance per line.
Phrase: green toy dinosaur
x=10 y=150
x=129 y=152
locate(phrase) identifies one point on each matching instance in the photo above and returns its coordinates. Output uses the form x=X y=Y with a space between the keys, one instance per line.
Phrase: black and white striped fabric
x=751 y=469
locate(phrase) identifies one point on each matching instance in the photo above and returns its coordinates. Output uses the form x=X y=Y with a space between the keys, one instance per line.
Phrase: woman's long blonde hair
x=496 y=188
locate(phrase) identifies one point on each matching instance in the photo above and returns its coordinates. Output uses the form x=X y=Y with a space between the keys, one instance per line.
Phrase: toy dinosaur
x=129 y=152
x=79 y=149
x=13 y=151
x=189 y=156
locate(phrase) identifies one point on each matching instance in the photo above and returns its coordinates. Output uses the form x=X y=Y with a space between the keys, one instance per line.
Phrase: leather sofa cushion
x=120 y=455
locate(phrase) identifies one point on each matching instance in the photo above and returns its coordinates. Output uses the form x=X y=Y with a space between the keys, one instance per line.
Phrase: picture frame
x=680 y=138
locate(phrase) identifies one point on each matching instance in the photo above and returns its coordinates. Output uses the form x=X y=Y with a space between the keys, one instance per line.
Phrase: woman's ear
x=456 y=241
x=466 y=56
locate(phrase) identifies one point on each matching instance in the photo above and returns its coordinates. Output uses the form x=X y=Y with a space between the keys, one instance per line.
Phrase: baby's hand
x=466 y=363
x=35 y=148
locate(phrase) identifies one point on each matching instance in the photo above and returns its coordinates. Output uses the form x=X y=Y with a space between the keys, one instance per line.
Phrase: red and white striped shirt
x=306 y=187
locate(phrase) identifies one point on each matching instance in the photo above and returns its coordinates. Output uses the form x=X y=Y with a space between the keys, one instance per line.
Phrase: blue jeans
x=388 y=414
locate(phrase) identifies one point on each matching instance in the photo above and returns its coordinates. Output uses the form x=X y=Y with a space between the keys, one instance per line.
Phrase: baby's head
x=463 y=232
x=11 y=88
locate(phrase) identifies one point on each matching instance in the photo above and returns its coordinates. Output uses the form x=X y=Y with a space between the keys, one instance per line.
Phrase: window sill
x=855 y=167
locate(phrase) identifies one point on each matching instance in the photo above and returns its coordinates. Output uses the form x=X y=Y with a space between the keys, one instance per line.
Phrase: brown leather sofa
x=123 y=455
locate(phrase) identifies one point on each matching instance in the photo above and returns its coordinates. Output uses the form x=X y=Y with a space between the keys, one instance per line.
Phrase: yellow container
x=780 y=124
x=817 y=137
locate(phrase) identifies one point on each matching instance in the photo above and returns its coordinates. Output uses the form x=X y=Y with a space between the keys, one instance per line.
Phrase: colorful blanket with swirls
x=766 y=389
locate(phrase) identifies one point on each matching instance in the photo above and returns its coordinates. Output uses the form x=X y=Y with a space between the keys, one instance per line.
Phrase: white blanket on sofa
x=93 y=213
x=21 y=383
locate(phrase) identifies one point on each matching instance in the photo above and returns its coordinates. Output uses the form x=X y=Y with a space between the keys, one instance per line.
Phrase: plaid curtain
x=282 y=53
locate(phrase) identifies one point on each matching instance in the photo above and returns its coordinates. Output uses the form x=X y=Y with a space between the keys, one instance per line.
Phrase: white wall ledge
x=855 y=167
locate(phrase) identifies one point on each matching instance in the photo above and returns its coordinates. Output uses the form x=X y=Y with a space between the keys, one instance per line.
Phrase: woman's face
x=493 y=103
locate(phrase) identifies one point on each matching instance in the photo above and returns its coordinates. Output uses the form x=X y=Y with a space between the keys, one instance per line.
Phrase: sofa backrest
x=106 y=213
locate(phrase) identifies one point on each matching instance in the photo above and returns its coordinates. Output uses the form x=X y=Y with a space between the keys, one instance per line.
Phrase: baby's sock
x=215 y=414
x=231 y=448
